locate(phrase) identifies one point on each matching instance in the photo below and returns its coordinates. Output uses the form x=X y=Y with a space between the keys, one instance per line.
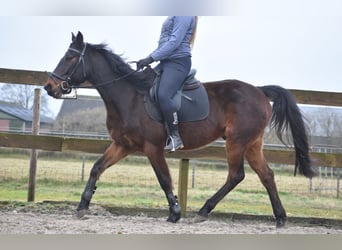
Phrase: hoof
x=280 y=223
x=173 y=218
x=81 y=214
x=200 y=218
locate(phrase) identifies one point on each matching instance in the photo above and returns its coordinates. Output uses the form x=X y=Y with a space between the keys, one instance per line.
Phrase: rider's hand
x=144 y=62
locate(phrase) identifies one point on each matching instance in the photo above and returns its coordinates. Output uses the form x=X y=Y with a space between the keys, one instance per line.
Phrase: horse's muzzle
x=53 y=90
x=48 y=89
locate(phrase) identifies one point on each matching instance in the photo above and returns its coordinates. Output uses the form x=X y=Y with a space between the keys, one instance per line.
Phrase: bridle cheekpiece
x=66 y=85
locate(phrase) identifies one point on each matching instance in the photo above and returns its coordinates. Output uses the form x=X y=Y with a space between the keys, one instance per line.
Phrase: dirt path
x=60 y=219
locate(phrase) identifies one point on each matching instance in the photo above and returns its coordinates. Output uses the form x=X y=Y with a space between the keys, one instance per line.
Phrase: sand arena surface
x=59 y=218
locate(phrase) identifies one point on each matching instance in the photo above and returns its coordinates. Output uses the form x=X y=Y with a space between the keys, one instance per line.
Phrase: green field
x=132 y=183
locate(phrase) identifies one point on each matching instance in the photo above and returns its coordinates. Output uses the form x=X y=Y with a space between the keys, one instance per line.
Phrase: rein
x=66 y=85
x=107 y=82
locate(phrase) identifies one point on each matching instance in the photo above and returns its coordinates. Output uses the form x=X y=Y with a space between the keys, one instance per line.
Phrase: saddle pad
x=195 y=109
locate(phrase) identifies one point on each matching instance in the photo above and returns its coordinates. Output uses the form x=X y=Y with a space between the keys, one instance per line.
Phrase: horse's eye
x=69 y=56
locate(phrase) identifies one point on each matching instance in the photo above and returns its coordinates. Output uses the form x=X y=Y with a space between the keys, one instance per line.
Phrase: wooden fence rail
x=213 y=151
x=39 y=78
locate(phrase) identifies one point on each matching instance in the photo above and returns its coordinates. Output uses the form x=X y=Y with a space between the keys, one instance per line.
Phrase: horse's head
x=71 y=70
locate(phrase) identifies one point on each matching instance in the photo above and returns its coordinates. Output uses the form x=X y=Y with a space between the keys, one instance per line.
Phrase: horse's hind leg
x=235 y=176
x=255 y=158
x=113 y=154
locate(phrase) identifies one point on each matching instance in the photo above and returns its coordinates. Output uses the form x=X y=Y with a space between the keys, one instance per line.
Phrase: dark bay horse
x=239 y=112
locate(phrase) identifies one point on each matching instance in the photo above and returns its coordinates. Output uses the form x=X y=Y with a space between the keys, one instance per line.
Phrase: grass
x=133 y=184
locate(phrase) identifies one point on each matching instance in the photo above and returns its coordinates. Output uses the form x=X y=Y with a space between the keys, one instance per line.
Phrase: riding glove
x=144 y=62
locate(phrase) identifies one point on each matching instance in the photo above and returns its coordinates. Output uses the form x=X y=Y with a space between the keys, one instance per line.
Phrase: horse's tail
x=287 y=116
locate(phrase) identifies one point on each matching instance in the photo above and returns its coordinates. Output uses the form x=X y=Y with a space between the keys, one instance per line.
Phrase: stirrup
x=171 y=146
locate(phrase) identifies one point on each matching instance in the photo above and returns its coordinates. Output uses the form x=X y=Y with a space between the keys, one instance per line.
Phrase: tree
x=326 y=126
x=326 y=122
x=23 y=96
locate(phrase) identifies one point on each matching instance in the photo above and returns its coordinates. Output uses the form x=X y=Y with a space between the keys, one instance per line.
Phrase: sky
x=288 y=47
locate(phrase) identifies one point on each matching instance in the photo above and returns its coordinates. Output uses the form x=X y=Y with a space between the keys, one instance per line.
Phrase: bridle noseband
x=66 y=85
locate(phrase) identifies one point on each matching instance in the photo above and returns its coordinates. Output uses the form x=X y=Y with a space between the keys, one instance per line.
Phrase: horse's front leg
x=113 y=154
x=174 y=208
x=162 y=172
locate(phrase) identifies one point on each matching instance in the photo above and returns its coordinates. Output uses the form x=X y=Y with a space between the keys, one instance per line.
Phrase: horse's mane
x=142 y=81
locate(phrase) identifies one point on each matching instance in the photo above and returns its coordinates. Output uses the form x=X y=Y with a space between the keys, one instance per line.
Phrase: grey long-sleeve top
x=174 y=40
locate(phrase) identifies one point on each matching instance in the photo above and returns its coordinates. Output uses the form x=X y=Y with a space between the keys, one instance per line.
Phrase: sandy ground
x=51 y=219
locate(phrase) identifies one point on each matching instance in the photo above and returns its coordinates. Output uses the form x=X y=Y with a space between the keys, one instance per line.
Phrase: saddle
x=191 y=100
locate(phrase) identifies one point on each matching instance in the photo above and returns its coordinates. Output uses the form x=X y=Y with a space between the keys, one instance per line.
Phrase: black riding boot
x=174 y=140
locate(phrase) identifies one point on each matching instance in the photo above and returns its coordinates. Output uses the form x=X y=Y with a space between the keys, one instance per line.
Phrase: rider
x=174 y=53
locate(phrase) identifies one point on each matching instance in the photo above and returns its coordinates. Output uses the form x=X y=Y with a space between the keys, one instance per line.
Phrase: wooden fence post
x=34 y=153
x=183 y=184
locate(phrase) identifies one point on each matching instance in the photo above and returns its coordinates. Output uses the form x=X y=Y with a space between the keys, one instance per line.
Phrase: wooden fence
x=213 y=151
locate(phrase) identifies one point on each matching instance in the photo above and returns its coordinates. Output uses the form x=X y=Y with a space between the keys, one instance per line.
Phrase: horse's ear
x=79 y=38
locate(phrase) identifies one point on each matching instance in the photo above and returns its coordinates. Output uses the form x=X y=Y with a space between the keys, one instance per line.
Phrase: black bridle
x=65 y=86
